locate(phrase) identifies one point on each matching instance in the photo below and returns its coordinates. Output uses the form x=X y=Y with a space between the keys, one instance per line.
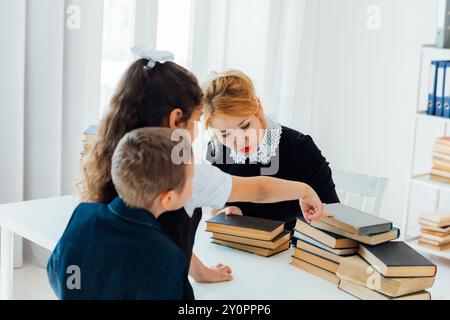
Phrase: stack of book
x=320 y=252
x=88 y=140
x=255 y=235
x=355 y=251
x=441 y=160
x=322 y=245
x=390 y=271
x=435 y=230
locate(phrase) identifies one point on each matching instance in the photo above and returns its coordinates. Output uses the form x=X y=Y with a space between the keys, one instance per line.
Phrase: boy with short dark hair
x=119 y=251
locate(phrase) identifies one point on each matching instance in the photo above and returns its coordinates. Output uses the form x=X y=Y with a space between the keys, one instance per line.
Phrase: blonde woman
x=246 y=143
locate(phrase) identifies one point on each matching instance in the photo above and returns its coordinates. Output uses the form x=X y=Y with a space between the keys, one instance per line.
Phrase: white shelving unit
x=429 y=53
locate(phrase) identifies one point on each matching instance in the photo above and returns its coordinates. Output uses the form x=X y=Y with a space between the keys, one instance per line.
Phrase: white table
x=43 y=222
x=40 y=221
x=259 y=278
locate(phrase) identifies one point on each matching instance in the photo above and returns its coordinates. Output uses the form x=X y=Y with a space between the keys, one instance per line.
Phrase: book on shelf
x=357 y=270
x=435 y=230
x=327 y=238
x=355 y=221
x=427 y=245
x=364 y=293
x=440 y=218
x=434 y=239
x=441 y=160
x=397 y=259
x=435 y=233
x=444 y=141
x=371 y=239
x=441 y=156
x=440 y=173
x=441 y=230
x=439 y=178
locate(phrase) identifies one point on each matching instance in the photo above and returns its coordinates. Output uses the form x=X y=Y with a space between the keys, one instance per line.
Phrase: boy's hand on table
x=313 y=208
x=219 y=273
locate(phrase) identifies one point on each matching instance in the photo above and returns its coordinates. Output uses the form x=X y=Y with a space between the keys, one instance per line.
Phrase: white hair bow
x=153 y=56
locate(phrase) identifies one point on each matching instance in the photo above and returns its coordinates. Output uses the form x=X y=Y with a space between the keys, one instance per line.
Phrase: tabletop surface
x=255 y=277
x=259 y=278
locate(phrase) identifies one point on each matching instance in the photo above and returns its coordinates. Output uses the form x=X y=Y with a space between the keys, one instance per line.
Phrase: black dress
x=181 y=229
x=298 y=159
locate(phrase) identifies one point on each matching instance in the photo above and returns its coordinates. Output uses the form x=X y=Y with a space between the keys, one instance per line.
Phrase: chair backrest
x=351 y=185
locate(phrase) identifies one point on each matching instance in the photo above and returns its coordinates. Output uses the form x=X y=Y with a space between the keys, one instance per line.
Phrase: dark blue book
x=432 y=88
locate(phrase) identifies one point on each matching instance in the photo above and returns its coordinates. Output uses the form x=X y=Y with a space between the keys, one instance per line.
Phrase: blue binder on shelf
x=432 y=88
x=440 y=82
x=446 y=102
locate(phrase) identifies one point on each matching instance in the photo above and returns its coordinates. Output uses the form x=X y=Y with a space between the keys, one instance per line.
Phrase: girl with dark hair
x=155 y=92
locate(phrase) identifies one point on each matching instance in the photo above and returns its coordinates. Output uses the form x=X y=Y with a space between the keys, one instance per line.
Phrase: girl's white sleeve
x=210 y=188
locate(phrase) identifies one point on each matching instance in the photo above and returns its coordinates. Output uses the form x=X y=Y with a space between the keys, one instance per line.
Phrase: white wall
x=366 y=90
x=12 y=87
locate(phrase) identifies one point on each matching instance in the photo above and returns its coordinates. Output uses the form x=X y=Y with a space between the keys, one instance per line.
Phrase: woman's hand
x=232 y=211
x=219 y=273
x=312 y=207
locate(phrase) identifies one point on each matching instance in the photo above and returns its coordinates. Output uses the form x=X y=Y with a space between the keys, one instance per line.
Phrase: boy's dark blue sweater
x=116 y=252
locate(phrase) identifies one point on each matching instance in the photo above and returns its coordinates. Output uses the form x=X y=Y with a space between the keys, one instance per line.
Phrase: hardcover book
x=355 y=221
x=356 y=269
x=330 y=239
x=244 y=226
x=372 y=239
x=397 y=259
x=255 y=250
x=364 y=293
x=284 y=237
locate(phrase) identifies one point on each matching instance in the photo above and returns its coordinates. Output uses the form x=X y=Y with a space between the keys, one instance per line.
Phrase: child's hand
x=233 y=211
x=219 y=273
x=312 y=207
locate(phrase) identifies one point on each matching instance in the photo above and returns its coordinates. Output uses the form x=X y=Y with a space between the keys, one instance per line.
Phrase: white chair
x=366 y=189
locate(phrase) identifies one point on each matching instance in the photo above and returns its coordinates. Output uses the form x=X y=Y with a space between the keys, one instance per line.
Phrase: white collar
x=267 y=148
